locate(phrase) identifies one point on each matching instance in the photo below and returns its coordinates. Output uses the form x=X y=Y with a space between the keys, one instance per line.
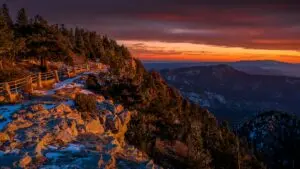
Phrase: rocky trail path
x=48 y=132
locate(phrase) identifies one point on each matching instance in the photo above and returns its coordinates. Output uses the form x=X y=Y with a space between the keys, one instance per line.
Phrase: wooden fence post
x=56 y=76
x=1 y=64
x=8 y=92
x=39 y=80
x=29 y=85
x=68 y=73
x=74 y=70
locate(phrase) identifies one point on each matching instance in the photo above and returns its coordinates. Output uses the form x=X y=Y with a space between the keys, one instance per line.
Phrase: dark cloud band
x=267 y=24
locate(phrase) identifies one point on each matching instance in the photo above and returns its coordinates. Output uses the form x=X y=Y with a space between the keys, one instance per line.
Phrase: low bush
x=86 y=103
x=92 y=83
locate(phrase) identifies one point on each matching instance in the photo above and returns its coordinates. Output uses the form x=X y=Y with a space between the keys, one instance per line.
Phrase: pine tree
x=71 y=38
x=64 y=30
x=6 y=16
x=39 y=20
x=79 y=41
x=6 y=40
x=22 y=19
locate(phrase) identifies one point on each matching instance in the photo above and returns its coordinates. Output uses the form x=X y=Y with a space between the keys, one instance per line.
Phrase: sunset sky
x=194 y=30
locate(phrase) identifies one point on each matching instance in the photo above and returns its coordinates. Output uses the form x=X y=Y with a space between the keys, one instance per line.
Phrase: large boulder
x=40 y=114
x=61 y=109
x=44 y=141
x=17 y=125
x=25 y=161
x=2 y=99
x=94 y=126
x=124 y=118
x=75 y=116
x=67 y=131
x=3 y=137
x=65 y=136
x=36 y=108
x=69 y=91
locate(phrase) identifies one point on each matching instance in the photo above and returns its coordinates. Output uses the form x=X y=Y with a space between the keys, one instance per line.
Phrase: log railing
x=37 y=79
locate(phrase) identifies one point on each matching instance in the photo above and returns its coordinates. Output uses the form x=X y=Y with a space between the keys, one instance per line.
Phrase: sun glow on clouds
x=191 y=31
x=156 y=50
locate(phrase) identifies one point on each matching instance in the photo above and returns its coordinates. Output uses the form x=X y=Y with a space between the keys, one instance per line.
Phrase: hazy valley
x=234 y=95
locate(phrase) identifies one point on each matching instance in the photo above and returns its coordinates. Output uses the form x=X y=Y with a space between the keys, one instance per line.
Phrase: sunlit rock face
x=54 y=134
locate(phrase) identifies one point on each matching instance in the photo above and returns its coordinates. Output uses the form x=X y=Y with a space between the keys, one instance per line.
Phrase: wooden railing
x=17 y=85
x=37 y=79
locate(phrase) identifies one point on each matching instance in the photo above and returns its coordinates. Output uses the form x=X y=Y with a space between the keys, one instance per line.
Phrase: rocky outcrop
x=60 y=136
x=37 y=137
x=94 y=126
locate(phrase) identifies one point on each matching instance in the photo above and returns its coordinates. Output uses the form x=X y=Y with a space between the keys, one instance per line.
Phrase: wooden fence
x=36 y=80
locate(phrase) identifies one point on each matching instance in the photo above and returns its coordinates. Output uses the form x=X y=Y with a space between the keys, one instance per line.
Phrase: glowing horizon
x=168 y=51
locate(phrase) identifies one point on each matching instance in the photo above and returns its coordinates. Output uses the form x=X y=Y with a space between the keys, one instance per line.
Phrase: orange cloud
x=155 y=50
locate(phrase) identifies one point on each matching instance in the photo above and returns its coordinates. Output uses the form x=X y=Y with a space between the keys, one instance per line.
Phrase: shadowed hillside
x=275 y=137
x=173 y=131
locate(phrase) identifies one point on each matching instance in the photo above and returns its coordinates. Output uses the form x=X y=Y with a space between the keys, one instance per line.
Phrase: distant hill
x=268 y=67
x=232 y=94
x=259 y=67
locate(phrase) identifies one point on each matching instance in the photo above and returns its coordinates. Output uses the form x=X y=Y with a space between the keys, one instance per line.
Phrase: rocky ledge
x=59 y=136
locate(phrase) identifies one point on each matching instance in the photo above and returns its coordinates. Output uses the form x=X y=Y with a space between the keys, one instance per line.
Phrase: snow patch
x=40 y=92
x=171 y=78
x=74 y=148
x=6 y=112
x=196 y=98
x=49 y=106
x=252 y=135
x=218 y=97
x=52 y=147
x=70 y=103
x=51 y=167
x=83 y=91
x=67 y=83
x=53 y=155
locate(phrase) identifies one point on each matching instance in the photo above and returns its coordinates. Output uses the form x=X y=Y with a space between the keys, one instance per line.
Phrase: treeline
x=34 y=37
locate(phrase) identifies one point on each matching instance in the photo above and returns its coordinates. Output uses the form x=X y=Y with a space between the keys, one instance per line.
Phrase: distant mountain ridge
x=259 y=67
x=232 y=94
